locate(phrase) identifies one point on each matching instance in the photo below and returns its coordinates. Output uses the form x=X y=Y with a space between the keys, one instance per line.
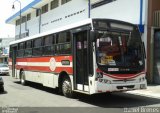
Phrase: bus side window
x=63 y=42
x=37 y=47
x=28 y=48
x=49 y=48
x=20 y=52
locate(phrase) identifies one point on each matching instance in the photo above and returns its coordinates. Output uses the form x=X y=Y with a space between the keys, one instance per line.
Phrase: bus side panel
x=48 y=79
x=44 y=70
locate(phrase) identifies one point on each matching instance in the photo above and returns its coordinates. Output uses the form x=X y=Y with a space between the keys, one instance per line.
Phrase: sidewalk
x=151 y=91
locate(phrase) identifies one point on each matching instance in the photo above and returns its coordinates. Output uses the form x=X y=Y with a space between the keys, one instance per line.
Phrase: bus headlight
x=99 y=75
x=141 y=79
x=104 y=81
x=107 y=81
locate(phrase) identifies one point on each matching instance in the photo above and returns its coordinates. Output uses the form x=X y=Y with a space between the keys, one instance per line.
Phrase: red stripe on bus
x=69 y=70
x=124 y=76
x=44 y=59
x=121 y=76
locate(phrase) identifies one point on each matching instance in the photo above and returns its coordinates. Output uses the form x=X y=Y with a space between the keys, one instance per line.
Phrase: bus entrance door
x=80 y=61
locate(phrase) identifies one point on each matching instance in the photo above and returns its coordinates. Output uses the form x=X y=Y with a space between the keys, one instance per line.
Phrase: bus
x=92 y=56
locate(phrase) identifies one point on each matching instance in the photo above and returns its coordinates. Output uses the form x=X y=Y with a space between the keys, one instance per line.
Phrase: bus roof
x=67 y=27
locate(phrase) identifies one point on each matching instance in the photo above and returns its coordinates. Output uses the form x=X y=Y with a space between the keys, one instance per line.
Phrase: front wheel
x=22 y=78
x=2 y=89
x=67 y=88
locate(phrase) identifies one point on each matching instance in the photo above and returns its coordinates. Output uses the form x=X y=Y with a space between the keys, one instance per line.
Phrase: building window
x=54 y=4
x=45 y=8
x=17 y=22
x=38 y=12
x=65 y=1
x=28 y=16
x=23 y=19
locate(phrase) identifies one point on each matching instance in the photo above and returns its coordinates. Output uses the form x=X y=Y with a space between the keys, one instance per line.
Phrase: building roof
x=23 y=10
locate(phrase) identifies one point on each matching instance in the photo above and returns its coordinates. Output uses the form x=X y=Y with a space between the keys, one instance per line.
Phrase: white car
x=4 y=69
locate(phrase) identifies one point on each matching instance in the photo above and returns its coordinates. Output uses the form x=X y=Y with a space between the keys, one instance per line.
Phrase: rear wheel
x=22 y=78
x=67 y=88
x=2 y=89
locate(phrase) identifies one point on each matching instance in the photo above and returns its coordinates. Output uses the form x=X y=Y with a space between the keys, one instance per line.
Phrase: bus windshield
x=119 y=49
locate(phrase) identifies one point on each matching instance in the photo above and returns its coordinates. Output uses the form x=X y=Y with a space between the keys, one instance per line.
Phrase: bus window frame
x=52 y=45
x=28 y=48
x=20 y=50
x=39 y=48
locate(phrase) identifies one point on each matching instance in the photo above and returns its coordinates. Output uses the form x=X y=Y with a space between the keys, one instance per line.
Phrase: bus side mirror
x=93 y=35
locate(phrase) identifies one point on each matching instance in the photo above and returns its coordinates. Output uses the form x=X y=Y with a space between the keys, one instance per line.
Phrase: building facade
x=153 y=41
x=40 y=16
x=4 y=49
x=43 y=15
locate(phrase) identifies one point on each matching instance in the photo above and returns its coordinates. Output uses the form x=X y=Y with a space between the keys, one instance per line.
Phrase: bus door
x=14 y=61
x=80 y=42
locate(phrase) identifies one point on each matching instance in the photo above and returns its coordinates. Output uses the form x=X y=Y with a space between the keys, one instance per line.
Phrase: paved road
x=35 y=95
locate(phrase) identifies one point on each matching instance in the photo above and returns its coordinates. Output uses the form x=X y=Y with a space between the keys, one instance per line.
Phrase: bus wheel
x=2 y=89
x=22 y=78
x=67 y=88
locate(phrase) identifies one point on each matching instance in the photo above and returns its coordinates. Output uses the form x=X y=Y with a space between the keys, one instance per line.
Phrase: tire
x=22 y=78
x=67 y=88
x=2 y=89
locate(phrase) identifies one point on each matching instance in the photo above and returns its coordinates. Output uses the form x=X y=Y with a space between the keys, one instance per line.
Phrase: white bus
x=91 y=56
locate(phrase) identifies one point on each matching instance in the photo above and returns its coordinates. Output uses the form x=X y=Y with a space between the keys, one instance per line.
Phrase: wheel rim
x=22 y=80
x=66 y=87
x=22 y=77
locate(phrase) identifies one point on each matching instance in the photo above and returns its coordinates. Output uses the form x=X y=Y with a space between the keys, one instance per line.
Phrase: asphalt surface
x=35 y=95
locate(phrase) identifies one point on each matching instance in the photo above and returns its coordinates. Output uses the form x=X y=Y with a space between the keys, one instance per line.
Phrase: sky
x=7 y=30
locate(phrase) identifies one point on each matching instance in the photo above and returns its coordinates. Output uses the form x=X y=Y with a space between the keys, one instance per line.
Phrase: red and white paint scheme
x=120 y=82
x=43 y=70
x=91 y=56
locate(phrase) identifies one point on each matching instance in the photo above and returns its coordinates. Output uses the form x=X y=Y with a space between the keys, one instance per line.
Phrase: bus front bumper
x=101 y=87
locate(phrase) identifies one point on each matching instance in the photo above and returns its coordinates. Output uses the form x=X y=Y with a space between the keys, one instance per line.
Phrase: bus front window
x=118 y=49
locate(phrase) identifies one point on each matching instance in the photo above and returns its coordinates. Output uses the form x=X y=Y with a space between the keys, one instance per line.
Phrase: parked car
x=4 y=69
x=1 y=85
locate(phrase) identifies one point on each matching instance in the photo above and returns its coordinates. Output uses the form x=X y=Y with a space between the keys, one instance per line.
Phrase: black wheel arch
x=63 y=75
x=20 y=72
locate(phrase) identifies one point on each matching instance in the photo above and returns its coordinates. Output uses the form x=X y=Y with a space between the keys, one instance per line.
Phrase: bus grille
x=124 y=81
x=128 y=87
